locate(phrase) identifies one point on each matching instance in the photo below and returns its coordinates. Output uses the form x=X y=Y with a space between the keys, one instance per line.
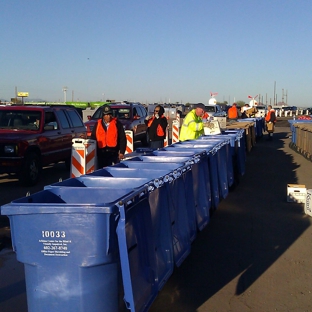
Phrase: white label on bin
x=54 y=245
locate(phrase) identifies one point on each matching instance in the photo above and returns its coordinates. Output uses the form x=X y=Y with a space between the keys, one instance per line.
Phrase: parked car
x=32 y=137
x=215 y=111
x=289 y=108
x=131 y=115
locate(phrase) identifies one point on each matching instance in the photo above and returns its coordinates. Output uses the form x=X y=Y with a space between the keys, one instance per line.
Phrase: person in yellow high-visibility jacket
x=193 y=126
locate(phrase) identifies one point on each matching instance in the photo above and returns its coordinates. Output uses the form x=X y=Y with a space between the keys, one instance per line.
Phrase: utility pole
x=274 y=92
x=64 y=90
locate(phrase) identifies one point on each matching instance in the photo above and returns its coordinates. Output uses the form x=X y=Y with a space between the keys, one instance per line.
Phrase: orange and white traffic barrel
x=166 y=140
x=129 y=137
x=83 y=157
x=175 y=131
x=178 y=119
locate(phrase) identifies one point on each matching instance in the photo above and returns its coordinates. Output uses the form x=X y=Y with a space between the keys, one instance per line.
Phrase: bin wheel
x=31 y=170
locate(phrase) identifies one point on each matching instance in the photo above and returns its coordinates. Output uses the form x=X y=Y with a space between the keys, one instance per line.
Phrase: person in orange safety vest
x=233 y=112
x=110 y=137
x=270 y=120
x=156 y=128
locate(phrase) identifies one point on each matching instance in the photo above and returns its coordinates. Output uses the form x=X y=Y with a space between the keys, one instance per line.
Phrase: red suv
x=35 y=136
x=131 y=115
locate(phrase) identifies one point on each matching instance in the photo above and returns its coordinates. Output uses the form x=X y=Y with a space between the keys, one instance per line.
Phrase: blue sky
x=157 y=50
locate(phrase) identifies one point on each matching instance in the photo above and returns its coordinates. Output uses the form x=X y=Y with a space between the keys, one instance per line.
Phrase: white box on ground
x=296 y=193
x=308 y=203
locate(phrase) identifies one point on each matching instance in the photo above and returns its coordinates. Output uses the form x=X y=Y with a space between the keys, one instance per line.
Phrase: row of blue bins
x=292 y=122
x=88 y=241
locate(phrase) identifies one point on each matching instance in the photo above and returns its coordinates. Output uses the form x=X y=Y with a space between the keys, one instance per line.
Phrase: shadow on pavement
x=250 y=230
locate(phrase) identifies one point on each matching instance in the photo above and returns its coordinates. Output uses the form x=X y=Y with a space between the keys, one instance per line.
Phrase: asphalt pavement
x=254 y=255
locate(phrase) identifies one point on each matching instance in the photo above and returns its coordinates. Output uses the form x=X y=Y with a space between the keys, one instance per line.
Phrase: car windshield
x=210 y=109
x=121 y=113
x=20 y=119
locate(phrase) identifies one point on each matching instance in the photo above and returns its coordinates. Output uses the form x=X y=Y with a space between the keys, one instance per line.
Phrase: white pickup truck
x=215 y=111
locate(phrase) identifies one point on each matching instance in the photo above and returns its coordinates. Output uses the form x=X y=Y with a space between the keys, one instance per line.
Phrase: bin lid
x=67 y=200
x=98 y=181
x=154 y=158
x=150 y=165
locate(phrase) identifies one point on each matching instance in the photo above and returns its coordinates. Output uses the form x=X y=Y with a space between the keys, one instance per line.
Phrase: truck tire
x=31 y=170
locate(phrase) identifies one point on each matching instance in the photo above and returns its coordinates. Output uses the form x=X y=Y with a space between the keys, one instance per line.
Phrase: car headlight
x=9 y=149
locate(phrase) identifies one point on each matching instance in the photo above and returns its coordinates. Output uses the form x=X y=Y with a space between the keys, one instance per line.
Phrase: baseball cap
x=200 y=105
x=107 y=110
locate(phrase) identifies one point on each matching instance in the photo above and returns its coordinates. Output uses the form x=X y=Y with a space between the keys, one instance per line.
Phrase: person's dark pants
x=156 y=144
x=270 y=136
x=106 y=158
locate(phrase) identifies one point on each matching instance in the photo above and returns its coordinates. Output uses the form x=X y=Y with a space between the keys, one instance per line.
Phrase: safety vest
x=192 y=127
x=205 y=116
x=232 y=112
x=268 y=116
x=159 y=131
x=107 y=138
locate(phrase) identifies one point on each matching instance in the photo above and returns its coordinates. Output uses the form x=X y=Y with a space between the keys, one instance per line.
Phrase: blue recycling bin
x=68 y=244
x=198 y=180
x=217 y=179
x=225 y=155
x=239 y=150
x=158 y=203
x=181 y=238
x=225 y=166
x=177 y=169
x=259 y=124
x=234 y=156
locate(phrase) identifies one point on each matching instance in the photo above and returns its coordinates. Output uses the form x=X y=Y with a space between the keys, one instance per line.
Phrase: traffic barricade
x=175 y=186
x=67 y=241
x=175 y=130
x=130 y=143
x=198 y=181
x=83 y=157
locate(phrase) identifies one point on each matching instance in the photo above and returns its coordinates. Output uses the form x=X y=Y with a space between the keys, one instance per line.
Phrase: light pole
x=64 y=90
